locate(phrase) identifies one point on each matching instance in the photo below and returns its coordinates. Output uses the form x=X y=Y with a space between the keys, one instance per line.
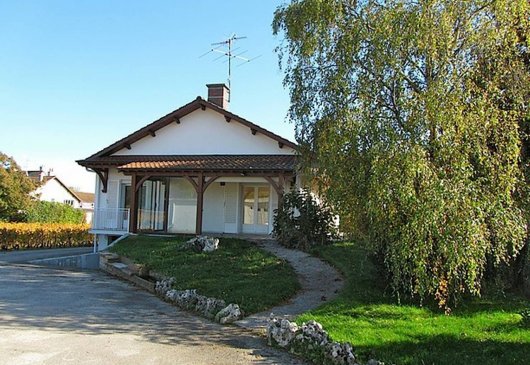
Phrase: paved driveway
x=50 y=316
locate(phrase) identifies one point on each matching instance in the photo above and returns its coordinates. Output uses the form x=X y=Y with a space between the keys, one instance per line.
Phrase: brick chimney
x=218 y=94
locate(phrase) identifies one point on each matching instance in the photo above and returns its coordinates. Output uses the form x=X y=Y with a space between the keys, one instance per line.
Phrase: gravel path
x=320 y=282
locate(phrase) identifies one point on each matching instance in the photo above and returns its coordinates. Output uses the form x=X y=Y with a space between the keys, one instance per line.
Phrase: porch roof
x=177 y=163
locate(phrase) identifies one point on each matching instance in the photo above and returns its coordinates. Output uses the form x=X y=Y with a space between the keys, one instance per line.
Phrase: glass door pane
x=263 y=206
x=248 y=205
x=151 y=205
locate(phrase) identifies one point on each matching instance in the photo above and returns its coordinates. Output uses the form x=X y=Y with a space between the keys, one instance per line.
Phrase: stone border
x=208 y=307
x=311 y=342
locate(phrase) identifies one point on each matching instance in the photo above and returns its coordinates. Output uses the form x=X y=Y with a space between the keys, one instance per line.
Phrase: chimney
x=219 y=94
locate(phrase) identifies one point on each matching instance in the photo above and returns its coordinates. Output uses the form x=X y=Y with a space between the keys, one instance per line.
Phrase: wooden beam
x=200 y=202
x=277 y=187
x=203 y=107
x=280 y=144
x=210 y=180
x=152 y=133
x=133 y=213
x=104 y=177
x=227 y=118
x=177 y=120
x=192 y=182
x=253 y=131
x=141 y=181
x=127 y=145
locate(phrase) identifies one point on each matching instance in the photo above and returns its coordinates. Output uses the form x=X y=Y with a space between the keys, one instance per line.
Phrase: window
x=69 y=202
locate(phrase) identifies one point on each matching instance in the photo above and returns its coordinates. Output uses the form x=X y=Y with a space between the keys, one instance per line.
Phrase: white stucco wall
x=205 y=132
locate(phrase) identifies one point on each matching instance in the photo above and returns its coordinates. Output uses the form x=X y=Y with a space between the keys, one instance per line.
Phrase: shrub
x=49 y=212
x=301 y=221
x=43 y=235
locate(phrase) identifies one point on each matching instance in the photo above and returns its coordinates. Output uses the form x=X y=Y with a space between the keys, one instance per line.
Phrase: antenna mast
x=225 y=48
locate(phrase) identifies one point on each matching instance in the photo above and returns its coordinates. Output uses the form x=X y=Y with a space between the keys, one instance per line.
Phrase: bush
x=301 y=221
x=43 y=235
x=48 y=212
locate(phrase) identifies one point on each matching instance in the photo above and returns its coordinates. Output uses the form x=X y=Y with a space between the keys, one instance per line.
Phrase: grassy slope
x=237 y=272
x=483 y=331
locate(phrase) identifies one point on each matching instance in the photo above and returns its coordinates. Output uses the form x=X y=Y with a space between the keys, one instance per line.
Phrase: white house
x=52 y=189
x=198 y=169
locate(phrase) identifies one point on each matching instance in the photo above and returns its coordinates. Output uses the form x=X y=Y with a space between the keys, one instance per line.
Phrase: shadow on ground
x=92 y=303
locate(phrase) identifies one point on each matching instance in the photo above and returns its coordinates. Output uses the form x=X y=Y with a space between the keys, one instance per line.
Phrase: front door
x=256 y=209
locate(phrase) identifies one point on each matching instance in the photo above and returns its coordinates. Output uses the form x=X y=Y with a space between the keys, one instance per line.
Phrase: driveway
x=50 y=316
x=29 y=255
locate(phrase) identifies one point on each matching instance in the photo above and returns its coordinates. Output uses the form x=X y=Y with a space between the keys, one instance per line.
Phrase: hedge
x=43 y=235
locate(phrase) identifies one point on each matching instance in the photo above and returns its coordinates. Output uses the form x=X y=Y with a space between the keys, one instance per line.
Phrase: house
x=198 y=169
x=52 y=189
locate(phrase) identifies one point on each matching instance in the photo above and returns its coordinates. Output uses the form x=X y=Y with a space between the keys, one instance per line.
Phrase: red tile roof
x=170 y=163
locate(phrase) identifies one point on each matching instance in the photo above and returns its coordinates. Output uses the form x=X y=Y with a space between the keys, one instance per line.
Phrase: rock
x=229 y=314
x=186 y=299
x=210 y=244
x=281 y=332
x=202 y=244
x=310 y=338
x=209 y=307
x=341 y=353
x=374 y=362
x=163 y=286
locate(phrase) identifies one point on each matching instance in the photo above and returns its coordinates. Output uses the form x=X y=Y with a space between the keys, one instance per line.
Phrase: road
x=51 y=316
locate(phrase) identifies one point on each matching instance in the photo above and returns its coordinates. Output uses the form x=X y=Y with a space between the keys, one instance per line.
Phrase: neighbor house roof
x=85 y=197
x=175 y=116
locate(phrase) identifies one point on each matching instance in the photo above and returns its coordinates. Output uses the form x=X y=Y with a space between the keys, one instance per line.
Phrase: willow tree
x=400 y=109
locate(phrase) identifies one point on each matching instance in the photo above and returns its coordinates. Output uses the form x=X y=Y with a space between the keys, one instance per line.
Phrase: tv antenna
x=225 y=48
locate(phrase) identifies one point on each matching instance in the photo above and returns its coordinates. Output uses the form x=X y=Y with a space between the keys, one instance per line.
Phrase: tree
x=400 y=105
x=15 y=187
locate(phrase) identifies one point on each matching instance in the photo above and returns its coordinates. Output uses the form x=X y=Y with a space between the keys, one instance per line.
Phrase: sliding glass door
x=152 y=200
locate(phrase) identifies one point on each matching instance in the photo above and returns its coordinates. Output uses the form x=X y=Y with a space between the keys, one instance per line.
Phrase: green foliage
x=52 y=212
x=480 y=331
x=15 y=187
x=408 y=116
x=301 y=221
x=238 y=271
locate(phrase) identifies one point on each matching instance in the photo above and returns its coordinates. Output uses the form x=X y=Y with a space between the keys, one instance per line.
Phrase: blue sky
x=76 y=76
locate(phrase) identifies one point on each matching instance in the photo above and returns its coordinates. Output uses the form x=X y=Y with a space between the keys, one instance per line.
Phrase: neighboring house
x=52 y=189
x=87 y=204
x=198 y=169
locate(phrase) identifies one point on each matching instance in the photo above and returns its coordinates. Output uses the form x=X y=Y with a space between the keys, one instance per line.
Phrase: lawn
x=481 y=331
x=238 y=272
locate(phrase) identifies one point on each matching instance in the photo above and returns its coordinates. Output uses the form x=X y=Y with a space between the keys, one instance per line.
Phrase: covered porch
x=195 y=194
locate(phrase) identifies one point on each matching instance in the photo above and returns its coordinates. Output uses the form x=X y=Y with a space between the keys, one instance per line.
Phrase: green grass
x=481 y=331
x=238 y=272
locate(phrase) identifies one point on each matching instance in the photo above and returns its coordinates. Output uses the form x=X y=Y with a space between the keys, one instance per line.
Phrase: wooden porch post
x=200 y=201
x=133 y=214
